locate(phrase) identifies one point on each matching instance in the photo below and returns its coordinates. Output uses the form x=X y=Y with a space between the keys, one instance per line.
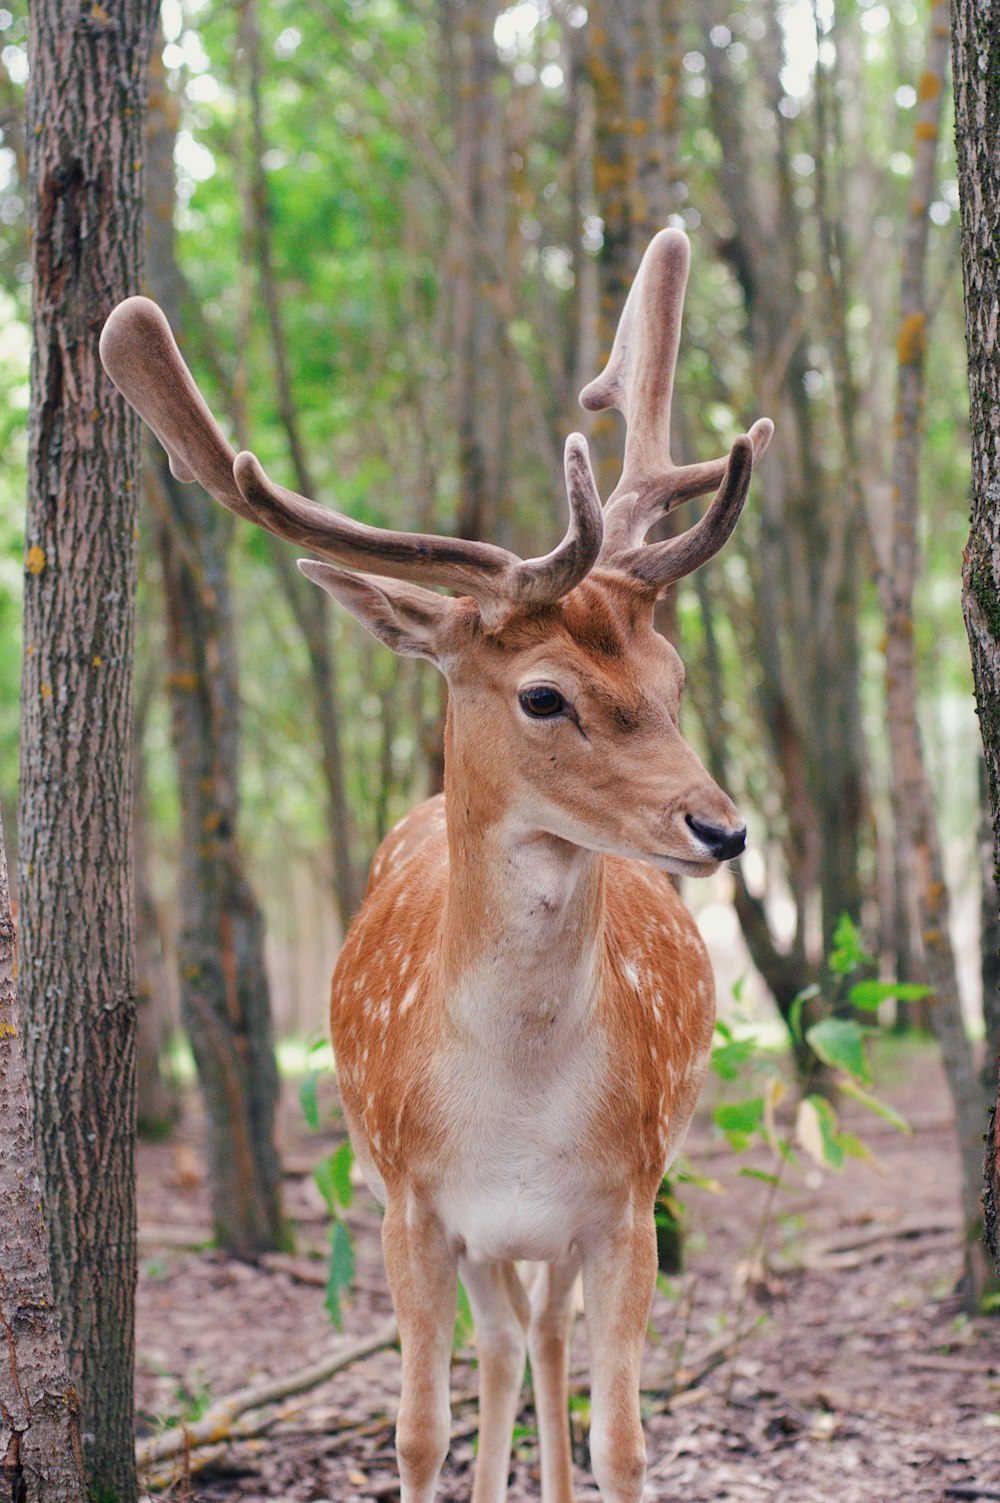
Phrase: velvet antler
x=639 y=380
x=141 y=356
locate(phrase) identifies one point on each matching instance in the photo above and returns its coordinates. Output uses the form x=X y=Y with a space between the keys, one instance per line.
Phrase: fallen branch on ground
x=217 y=1429
x=216 y=1424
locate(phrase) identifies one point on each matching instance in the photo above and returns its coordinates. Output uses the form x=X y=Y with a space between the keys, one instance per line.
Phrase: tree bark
x=976 y=72
x=41 y=1457
x=913 y=798
x=86 y=110
x=224 y=993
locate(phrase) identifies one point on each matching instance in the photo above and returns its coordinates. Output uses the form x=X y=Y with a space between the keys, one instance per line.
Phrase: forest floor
x=858 y=1378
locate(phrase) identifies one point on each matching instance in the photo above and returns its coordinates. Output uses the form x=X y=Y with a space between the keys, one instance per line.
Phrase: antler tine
x=639 y=380
x=639 y=376
x=141 y=356
x=543 y=580
x=661 y=564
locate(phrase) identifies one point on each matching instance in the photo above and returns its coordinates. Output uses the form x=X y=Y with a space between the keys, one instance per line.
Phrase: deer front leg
x=619 y=1276
x=500 y=1311
x=421 y=1271
x=550 y=1290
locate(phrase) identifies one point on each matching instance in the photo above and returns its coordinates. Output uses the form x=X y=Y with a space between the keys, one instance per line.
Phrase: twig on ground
x=216 y=1424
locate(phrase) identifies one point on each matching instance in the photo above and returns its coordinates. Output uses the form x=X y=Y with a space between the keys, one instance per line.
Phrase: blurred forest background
x=395 y=239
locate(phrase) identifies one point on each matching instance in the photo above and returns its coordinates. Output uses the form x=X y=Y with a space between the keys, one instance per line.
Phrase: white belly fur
x=517 y=1185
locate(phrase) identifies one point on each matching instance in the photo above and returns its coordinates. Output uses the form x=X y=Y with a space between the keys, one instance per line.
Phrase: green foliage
x=464 y=1323
x=848 y=953
x=333 y=1180
x=340 y=1272
x=840 y=1043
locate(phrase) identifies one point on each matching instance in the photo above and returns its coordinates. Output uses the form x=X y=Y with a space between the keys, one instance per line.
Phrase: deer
x=522 y=1011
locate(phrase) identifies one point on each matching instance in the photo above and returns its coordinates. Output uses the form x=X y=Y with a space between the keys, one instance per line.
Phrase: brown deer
x=523 y=1009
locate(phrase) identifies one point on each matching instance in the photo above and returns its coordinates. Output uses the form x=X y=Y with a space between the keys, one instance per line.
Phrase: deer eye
x=541 y=702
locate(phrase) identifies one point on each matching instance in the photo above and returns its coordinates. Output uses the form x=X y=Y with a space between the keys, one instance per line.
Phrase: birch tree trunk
x=86 y=111
x=41 y=1458
x=976 y=69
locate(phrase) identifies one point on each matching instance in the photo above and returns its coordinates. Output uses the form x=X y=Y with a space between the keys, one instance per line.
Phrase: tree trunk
x=989 y=943
x=806 y=562
x=912 y=795
x=86 y=111
x=224 y=993
x=41 y=1458
x=976 y=54
x=309 y=606
x=157 y=1094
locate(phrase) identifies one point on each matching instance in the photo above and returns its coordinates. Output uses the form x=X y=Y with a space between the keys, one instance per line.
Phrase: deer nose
x=721 y=843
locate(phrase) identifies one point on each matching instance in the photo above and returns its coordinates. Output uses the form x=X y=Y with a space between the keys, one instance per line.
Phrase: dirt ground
x=859 y=1379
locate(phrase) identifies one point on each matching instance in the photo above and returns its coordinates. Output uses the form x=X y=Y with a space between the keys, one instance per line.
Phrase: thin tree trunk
x=157 y=1094
x=976 y=53
x=989 y=943
x=309 y=606
x=912 y=795
x=86 y=111
x=224 y=993
x=41 y=1457
x=806 y=562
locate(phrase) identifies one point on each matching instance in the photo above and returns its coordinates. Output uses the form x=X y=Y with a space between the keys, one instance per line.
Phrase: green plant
x=333 y=1180
x=808 y=1118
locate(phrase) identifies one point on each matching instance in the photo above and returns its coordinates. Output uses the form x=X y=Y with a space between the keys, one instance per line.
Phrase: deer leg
x=619 y=1277
x=421 y=1269
x=550 y=1291
x=500 y=1310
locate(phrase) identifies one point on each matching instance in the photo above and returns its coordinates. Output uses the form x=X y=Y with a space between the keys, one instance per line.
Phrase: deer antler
x=140 y=355
x=639 y=380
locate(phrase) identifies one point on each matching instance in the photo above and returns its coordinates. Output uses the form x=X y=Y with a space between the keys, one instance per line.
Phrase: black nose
x=722 y=844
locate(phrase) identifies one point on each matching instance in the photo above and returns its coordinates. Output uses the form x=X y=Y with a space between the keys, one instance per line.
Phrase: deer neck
x=523 y=918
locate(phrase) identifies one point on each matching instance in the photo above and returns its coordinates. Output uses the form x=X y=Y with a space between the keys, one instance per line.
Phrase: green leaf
x=333 y=1177
x=880 y=1108
x=848 y=952
x=308 y=1099
x=816 y=1130
x=729 y=1058
x=340 y=1273
x=840 y=1042
x=795 y=1011
x=698 y=1181
x=464 y=1323
x=768 y=1179
x=740 y=1120
x=869 y=994
x=341 y=1165
x=853 y=1147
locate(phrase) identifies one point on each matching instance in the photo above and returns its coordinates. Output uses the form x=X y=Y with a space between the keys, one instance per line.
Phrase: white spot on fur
x=409 y=998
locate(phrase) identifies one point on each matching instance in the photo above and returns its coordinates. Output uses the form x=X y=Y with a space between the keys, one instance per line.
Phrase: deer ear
x=406 y=618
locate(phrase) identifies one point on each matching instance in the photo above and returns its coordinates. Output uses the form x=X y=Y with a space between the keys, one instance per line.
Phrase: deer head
x=564 y=701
